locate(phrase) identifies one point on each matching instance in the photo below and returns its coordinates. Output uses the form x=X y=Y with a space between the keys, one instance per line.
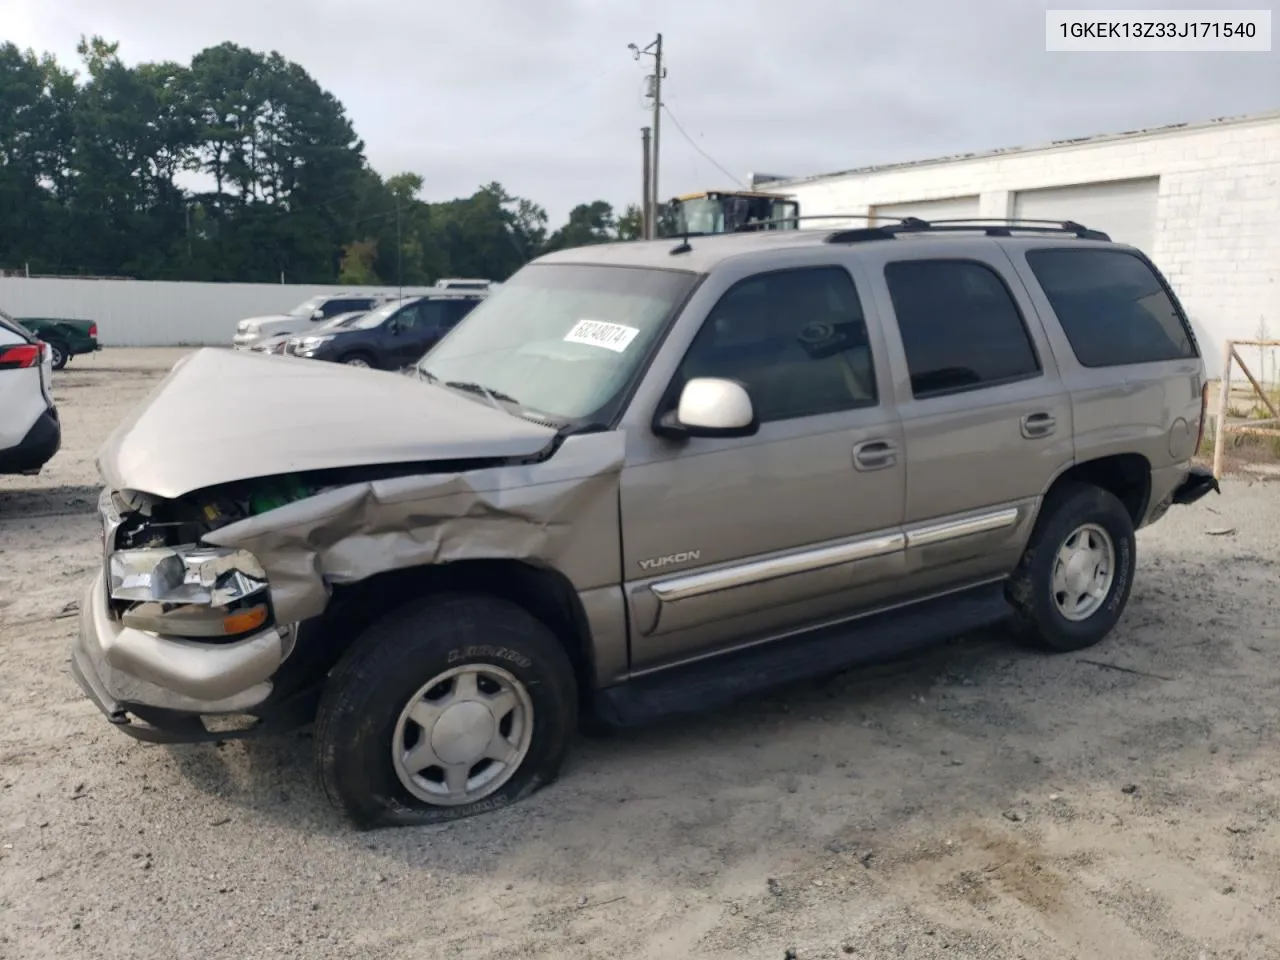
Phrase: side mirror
x=710 y=407
x=318 y=315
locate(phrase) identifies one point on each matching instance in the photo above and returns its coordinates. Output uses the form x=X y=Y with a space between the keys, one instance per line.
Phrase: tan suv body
x=641 y=478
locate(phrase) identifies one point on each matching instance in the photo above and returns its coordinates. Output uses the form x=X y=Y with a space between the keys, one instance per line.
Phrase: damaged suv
x=640 y=478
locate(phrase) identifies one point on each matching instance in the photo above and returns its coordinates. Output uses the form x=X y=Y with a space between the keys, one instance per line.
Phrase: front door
x=728 y=541
x=416 y=325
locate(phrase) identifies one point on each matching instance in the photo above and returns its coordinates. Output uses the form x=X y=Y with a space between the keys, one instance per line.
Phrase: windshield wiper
x=493 y=396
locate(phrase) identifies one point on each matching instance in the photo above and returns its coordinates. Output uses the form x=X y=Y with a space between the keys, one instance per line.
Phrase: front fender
x=562 y=513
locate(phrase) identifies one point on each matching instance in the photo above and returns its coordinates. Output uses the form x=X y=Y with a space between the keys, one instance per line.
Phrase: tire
x=58 y=354
x=362 y=720
x=1081 y=516
x=357 y=360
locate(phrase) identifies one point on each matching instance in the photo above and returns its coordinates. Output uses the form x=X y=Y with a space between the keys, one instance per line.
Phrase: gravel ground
x=977 y=801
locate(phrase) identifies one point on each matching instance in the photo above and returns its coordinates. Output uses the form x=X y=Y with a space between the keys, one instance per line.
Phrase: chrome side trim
x=759 y=571
x=955 y=529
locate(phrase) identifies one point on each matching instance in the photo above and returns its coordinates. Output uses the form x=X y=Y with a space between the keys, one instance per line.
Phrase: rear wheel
x=58 y=354
x=1074 y=579
x=452 y=706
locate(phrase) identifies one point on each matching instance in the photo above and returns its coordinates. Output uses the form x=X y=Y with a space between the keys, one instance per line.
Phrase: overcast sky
x=544 y=96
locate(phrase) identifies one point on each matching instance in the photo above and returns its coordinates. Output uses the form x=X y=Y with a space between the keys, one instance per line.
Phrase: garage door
x=1124 y=209
x=952 y=208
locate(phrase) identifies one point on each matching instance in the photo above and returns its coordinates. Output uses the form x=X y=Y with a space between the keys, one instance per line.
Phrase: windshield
x=341 y=320
x=307 y=307
x=563 y=340
x=786 y=210
x=375 y=318
x=703 y=215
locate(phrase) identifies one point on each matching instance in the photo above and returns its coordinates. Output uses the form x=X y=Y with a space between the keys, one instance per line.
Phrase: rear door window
x=1113 y=308
x=960 y=326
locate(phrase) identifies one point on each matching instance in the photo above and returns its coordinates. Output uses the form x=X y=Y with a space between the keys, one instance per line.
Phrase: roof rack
x=750 y=227
x=991 y=226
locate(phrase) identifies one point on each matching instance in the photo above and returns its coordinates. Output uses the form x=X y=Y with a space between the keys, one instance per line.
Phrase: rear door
x=986 y=418
x=420 y=326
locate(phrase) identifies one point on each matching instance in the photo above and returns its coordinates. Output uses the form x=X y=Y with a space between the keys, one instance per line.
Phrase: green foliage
x=96 y=169
x=357 y=263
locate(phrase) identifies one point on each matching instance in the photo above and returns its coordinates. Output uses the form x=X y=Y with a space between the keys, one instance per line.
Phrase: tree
x=357 y=264
x=92 y=168
x=35 y=150
x=631 y=223
x=588 y=223
x=284 y=160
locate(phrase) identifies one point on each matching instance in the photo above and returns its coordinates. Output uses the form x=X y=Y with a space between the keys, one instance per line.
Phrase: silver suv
x=640 y=478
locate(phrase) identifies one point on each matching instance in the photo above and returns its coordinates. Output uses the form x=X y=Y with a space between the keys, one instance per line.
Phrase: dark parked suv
x=393 y=336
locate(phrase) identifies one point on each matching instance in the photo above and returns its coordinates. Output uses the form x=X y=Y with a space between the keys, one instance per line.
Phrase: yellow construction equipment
x=729 y=211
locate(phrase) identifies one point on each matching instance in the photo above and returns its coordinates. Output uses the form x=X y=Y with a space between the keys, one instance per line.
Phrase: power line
x=712 y=160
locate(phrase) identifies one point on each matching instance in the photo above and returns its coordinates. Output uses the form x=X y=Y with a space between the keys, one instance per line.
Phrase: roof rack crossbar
x=745 y=228
x=991 y=226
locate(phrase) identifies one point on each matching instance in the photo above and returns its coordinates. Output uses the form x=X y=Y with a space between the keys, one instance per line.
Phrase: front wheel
x=356 y=360
x=1074 y=579
x=452 y=706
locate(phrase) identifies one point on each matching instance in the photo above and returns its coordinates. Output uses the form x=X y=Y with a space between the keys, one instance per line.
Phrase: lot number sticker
x=598 y=333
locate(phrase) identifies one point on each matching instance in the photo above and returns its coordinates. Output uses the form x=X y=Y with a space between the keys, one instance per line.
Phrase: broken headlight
x=189 y=591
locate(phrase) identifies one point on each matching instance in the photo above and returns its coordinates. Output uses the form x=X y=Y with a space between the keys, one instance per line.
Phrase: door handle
x=874 y=455
x=1035 y=425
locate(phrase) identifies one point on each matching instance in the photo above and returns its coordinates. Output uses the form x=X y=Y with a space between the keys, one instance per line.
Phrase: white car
x=253 y=330
x=275 y=345
x=30 y=433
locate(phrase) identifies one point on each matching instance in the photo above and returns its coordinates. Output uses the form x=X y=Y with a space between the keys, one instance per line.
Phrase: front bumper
x=243 y=341
x=125 y=671
x=37 y=448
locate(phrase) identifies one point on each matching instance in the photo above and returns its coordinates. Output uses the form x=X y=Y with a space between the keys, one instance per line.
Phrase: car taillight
x=22 y=356
x=93 y=330
x=1204 y=414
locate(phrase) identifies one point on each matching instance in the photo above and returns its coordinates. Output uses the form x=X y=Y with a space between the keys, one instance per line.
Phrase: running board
x=721 y=680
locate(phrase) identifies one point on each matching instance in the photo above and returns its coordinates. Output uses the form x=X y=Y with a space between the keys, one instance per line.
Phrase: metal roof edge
x=1166 y=129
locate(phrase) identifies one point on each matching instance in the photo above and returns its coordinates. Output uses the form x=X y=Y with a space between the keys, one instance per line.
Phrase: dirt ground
x=978 y=801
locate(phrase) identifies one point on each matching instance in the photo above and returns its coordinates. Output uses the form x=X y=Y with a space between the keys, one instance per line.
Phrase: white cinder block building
x=1202 y=200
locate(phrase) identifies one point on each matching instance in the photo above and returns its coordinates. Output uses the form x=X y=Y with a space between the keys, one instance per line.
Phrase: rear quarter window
x=1113 y=307
x=13 y=332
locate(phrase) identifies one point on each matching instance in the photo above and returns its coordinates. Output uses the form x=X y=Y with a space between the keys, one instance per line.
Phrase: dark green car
x=66 y=338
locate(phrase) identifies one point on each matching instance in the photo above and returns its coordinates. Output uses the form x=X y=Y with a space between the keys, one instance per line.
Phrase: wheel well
x=545 y=593
x=1127 y=475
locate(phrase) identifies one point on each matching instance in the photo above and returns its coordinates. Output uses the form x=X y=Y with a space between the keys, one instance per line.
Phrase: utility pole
x=399 y=251
x=646 y=204
x=654 y=50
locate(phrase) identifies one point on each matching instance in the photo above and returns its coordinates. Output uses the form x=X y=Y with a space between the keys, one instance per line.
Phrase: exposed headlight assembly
x=189 y=591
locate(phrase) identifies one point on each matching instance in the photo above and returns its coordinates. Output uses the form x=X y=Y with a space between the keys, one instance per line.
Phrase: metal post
x=657 y=121
x=646 y=203
x=1224 y=400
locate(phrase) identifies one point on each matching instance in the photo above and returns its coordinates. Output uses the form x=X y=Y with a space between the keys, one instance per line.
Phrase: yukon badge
x=657 y=563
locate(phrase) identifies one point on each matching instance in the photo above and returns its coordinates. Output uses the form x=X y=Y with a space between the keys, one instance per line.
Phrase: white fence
x=140 y=313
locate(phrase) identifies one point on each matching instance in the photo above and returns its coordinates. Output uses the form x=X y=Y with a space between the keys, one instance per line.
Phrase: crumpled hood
x=224 y=415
